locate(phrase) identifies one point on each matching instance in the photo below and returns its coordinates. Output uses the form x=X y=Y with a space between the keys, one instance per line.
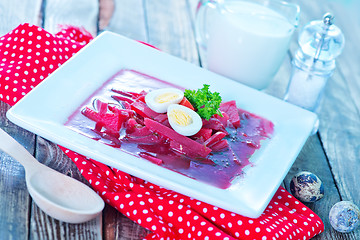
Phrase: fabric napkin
x=28 y=54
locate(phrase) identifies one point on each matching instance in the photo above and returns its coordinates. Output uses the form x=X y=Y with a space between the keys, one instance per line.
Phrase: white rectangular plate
x=46 y=108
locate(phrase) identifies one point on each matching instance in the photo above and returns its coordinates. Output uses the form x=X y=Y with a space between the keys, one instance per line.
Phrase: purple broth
x=218 y=169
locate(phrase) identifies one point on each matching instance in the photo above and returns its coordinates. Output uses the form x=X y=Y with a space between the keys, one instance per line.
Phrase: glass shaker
x=314 y=62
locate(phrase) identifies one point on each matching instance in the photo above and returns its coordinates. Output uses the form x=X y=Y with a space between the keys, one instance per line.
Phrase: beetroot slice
x=224 y=119
x=231 y=110
x=220 y=145
x=123 y=99
x=143 y=110
x=215 y=138
x=127 y=93
x=111 y=121
x=204 y=133
x=214 y=124
x=101 y=106
x=134 y=129
x=192 y=147
x=149 y=139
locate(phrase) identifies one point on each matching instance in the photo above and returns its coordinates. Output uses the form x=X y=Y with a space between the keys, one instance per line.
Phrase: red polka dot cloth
x=28 y=54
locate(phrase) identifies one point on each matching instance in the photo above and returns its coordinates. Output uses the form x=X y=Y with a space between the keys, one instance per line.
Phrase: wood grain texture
x=106 y=11
x=15 y=12
x=81 y=13
x=15 y=201
x=120 y=227
x=170 y=28
x=14 y=197
x=128 y=19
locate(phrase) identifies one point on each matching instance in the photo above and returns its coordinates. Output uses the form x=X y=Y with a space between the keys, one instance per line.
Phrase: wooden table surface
x=333 y=153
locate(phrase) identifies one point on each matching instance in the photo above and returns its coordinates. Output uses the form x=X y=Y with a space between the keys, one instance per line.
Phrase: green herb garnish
x=205 y=102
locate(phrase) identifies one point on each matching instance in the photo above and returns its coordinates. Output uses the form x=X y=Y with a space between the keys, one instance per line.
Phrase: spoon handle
x=14 y=149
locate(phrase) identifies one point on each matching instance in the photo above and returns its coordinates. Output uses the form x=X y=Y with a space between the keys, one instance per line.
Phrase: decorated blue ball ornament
x=307 y=187
x=344 y=216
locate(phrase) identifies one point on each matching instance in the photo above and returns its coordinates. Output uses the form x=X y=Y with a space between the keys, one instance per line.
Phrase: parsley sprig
x=205 y=102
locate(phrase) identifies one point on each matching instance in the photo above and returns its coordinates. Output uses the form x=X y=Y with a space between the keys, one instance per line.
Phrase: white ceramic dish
x=47 y=107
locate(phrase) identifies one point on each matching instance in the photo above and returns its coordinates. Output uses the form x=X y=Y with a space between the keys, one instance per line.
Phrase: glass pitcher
x=246 y=40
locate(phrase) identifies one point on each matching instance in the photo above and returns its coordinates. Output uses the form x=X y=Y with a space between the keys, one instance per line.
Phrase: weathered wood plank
x=81 y=13
x=120 y=227
x=14 y=198
x=128 y=19
x=15 y=12
x=170 y=28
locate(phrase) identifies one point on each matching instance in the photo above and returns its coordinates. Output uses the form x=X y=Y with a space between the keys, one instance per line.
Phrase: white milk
x=248 y=43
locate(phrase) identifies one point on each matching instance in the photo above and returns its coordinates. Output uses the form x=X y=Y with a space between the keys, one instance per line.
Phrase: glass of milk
x=246 y=40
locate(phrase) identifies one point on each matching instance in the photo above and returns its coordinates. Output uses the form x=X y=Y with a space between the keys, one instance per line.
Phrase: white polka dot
x=247 y=232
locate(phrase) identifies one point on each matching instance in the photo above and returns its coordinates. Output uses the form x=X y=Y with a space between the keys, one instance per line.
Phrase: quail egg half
x=160 y=99
x=184 y=120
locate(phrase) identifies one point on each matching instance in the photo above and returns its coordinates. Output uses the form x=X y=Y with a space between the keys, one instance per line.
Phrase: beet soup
x=117 y=115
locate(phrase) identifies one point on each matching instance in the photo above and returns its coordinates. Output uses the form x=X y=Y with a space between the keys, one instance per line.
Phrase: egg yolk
x=180 y=117
x=166 y=97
